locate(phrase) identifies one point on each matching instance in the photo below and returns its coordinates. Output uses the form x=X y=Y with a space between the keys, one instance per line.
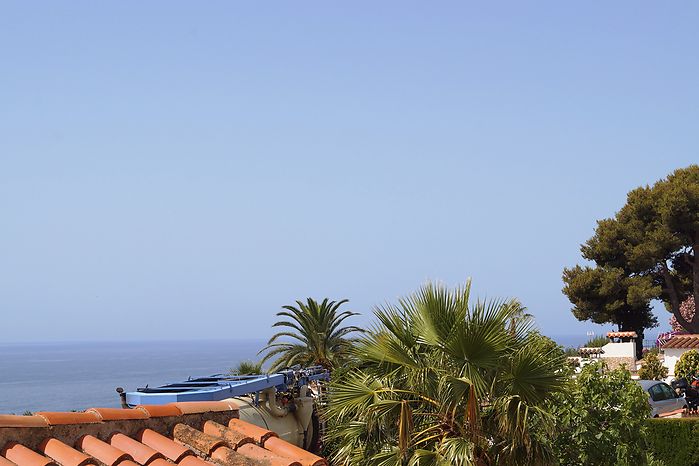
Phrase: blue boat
x=221 y=386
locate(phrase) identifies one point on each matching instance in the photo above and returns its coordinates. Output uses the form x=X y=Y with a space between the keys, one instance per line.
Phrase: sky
x=181 y=170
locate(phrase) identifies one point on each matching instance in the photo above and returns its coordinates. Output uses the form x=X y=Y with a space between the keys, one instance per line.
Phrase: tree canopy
x=601 y=419
x=645 y=252
x=445 y=381
x=314 y=335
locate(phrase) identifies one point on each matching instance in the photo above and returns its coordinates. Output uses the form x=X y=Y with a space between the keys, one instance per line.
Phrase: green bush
x=688 y=365
x=601 y=419
x=675 y=442
x=652 y=368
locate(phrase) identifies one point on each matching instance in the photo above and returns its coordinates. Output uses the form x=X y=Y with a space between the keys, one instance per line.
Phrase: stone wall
x=615 y=362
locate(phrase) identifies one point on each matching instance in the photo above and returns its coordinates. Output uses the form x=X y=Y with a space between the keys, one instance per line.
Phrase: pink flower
x=687 y=310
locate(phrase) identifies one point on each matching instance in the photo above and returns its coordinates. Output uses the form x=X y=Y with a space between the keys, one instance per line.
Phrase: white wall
x=619 y=350
x=671 y=357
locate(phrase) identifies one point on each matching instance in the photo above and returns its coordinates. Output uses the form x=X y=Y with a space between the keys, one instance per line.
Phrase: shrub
x=675 y=442
x=688 y=365
x=652 y=368
x=601 y=419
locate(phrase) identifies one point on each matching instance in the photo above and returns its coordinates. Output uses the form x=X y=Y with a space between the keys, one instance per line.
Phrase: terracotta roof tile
x=188 y=435
x=193 y=461
x=682 y=341
x=64 y=454
x=622 y=335
x=58 y=418
x=115 y=414
x=192 y=407
x=201 y=441
x=12 y=420
x=160 y=410
x=258 y=434
x=160 y=462
x=103 y=451
x=168 y=447
x=23 y=456
x=233 y=438
x=128 y=463
x=226 y=456
x=138 y=451
x=287 y=450
x=253 y=451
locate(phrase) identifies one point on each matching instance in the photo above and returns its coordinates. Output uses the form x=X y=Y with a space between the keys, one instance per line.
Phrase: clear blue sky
x=181 y=170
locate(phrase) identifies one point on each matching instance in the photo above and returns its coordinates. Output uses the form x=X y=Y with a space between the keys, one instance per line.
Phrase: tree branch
x=674 y=297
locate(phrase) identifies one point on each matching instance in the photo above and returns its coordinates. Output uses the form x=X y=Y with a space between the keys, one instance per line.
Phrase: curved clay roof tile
x=205 y=443
x=143 y=454
x=64 y=454
x=23 y=456
x=258 y=453
x=171 y=449
x=103 y=451
x=258 y=434
x=287 y=450
x=233 y=438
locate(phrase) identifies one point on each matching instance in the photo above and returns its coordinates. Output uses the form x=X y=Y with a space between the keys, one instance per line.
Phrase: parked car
x=662 y=398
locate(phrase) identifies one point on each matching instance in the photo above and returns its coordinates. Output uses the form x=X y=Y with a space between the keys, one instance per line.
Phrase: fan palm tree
x=247 y=368
x=315 y=336
x=441 y=381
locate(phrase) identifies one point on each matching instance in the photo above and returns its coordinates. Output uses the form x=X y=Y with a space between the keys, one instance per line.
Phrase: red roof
x=682 y=341
x=622 y=335
x=182 y=434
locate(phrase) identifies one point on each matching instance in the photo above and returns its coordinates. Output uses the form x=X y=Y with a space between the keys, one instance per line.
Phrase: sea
x=65 y=376
x=75 y=376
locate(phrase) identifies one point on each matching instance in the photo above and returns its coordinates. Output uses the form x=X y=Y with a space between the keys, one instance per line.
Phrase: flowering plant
x=687 y=309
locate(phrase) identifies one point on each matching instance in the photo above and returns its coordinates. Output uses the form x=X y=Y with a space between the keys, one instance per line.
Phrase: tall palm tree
x=315 y=336
x=441 y=381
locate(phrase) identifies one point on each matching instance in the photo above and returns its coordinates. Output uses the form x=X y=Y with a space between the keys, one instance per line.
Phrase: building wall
x=671 y=357
x=619 y=350
x=616 y=362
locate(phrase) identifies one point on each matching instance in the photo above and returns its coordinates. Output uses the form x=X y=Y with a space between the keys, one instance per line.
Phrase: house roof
x=177 y=434
x=590 y=351
x=622 y=335
x=682 y=341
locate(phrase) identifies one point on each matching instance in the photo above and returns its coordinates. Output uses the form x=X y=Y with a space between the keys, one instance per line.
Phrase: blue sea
x=68 y=376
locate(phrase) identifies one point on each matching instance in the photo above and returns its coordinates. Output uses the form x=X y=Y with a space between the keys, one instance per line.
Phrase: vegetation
x=247 y=368
x=688 y=365
x=674 y=441
x=687 y=309
x=646 y=252
x=316 y=333
x=442 y=381
x=652 y=368
x=601 y=419
x=596 y=342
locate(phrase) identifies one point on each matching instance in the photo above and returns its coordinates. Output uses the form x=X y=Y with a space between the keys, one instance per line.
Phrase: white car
x=663 y=398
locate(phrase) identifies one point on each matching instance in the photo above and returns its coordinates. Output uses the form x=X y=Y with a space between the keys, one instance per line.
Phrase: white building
x=621 y=350
x=676 y=347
